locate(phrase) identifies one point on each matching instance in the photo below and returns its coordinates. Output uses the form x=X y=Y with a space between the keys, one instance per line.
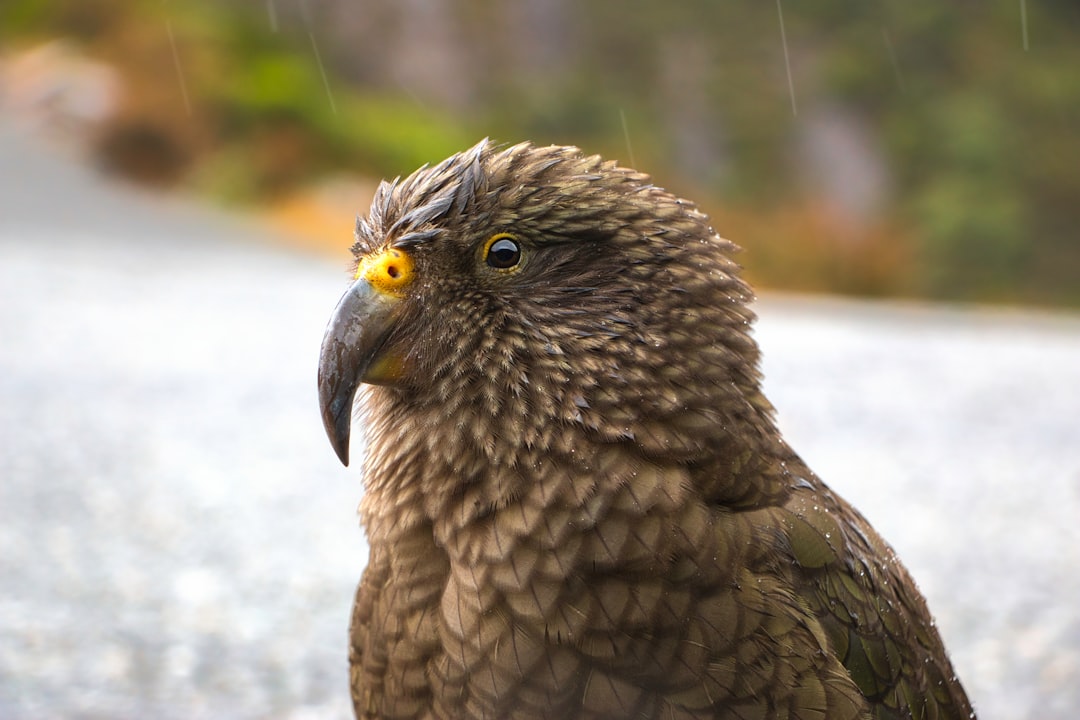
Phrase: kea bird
x=577 y=501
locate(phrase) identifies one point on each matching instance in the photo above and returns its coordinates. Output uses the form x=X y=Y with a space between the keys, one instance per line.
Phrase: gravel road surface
x=177 y=539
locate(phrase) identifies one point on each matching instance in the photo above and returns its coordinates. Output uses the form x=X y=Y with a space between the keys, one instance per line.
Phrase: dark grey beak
x=350 y=355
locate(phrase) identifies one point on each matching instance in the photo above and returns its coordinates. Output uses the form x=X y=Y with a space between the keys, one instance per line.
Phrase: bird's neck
x=466 y=480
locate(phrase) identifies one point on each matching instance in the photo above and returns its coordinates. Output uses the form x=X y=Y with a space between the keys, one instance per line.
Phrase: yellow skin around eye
x=389 y=271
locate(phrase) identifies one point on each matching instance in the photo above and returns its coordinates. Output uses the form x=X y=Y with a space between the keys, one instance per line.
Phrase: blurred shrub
x=974 y=133
x=216 y=99
x=971 y=209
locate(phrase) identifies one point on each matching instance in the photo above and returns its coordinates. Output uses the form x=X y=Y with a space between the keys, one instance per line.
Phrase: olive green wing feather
x=870 y=608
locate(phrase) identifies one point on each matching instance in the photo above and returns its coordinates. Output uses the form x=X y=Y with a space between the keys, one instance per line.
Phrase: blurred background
x=178 y=184
x=878 y=148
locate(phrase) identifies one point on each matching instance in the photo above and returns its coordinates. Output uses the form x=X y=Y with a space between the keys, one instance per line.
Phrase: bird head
x=511 y=290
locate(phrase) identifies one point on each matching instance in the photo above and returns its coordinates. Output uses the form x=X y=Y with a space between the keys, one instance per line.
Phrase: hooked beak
x=352 y=353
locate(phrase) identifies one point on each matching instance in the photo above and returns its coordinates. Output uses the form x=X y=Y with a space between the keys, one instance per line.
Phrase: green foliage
x=981 y=140
x=394 y=135
x=268 y=96
x=970 y=207
x=22 y=17
x=37 y=18
x=977 y=136
x=262 y=117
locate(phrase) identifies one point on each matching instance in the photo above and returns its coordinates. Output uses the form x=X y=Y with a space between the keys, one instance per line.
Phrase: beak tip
x=341 y=448
x=337 y=419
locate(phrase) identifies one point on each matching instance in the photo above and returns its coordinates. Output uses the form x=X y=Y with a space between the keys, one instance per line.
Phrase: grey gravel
x=177 y=539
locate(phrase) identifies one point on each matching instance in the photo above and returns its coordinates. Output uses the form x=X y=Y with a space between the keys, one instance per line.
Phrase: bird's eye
x=502 y=251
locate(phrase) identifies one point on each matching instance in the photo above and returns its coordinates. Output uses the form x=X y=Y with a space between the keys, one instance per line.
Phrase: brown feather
x=577 y=501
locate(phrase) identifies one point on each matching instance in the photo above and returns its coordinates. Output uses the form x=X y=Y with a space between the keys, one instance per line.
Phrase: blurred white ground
x=178 y=540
